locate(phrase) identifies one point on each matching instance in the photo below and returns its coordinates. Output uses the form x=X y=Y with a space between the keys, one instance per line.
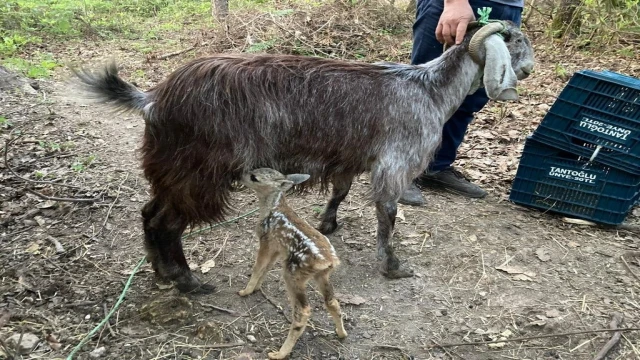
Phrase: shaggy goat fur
x=217 y=117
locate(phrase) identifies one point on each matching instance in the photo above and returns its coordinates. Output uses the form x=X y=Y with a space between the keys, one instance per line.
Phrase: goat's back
x=216 y=117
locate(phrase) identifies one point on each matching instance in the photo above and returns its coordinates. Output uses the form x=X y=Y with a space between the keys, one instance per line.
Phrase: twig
x=175 y=53
x=615 y=322
x=106 y=313
x=6 y=349
x=228 y=311
x=214 y=346
x=278 y=307
x=56 y=243
x=627 y=265
x=62 y=199
x=6 y=164
x=532 y=337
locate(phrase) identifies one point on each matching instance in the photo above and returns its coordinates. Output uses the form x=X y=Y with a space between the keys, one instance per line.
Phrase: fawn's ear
x=298 y=178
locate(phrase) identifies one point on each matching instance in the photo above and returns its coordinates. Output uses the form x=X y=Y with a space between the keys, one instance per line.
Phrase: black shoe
x=412 y=196
x=452 y=180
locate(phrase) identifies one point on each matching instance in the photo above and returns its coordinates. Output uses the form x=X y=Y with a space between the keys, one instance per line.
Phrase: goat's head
x=265 y=181
x=505 y=54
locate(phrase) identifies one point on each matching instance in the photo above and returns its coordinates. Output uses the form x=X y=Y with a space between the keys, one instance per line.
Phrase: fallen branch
x=6 y=164
x=278 y=307
x=4 y=319
x=615 y=322
x=531 y=337
x=228 y=311
x=62 y=199
x=56 y=243
x=626 y=265
x=175 y=53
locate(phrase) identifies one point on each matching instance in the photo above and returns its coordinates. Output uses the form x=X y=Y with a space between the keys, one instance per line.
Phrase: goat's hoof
x=341 y=334
x=277 y=355
x=191 y=284
x=398 y=273
x=327 y=227
x=245 y=292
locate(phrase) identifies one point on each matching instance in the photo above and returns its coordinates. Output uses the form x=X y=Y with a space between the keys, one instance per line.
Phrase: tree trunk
x=219 y=9
x=567 y=20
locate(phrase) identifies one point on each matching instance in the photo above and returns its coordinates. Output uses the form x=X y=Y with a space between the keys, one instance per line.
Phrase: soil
x=486 y=269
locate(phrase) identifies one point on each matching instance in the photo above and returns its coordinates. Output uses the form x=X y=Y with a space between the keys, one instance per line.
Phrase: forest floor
x=485 y=269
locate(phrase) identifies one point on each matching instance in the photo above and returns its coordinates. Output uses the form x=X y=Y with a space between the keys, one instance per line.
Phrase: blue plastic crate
x=555 y=180
x=597 y=108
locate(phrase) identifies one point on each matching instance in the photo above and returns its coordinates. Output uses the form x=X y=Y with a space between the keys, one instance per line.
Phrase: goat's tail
x=106 y=87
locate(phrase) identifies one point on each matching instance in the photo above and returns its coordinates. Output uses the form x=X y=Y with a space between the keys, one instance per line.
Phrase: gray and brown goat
x=217 y=117
x=307 y=254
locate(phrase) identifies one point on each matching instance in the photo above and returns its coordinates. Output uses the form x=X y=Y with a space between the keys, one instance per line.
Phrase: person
x=439 y=22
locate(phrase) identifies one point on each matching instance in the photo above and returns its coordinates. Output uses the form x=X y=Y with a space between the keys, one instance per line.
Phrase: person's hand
x=453 y=22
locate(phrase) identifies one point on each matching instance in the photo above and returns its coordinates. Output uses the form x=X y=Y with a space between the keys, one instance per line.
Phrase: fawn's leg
x=332 y=304
x=267 y=255
x=301 y=311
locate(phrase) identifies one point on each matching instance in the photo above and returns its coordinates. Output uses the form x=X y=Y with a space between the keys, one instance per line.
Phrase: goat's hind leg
x=386 y=214
x=163 y=230
x=332 y=304
x=296 y=284
x=341 y=187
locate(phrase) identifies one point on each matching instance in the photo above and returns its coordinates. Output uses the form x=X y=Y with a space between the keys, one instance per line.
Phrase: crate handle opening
x=595 y=153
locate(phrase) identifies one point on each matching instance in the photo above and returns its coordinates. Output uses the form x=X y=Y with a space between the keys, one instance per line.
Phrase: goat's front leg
x=341 y=187
x=386 y=214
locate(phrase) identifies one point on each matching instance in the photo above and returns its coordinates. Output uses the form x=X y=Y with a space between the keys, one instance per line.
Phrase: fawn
x=306 y=252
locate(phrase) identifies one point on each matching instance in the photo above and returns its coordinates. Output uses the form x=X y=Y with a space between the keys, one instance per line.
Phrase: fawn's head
x=266 y=181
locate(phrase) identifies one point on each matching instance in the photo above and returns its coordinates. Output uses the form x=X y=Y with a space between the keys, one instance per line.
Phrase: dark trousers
x=426 y=47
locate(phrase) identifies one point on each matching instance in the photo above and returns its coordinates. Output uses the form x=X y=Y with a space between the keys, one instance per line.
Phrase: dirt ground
x=485 y=269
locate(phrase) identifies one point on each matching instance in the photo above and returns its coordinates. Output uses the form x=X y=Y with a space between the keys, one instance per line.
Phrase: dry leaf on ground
x=350 y=299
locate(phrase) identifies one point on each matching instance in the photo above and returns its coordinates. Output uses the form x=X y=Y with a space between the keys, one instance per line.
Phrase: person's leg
x=441 y=173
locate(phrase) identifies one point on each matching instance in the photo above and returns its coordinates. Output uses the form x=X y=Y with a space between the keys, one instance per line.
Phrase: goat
x=306 y=252
x=216 y=117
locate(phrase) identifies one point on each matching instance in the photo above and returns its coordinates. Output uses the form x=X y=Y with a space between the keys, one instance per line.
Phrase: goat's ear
x=499 y=78
x=297 y=178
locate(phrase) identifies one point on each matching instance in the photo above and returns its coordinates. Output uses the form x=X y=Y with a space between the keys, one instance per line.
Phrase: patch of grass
x=81 y=165
x=261 y=46
x=39 y=67
x=4 y=123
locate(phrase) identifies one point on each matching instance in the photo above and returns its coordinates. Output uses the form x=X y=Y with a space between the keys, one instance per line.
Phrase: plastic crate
x=597 y=108
x=555 y=180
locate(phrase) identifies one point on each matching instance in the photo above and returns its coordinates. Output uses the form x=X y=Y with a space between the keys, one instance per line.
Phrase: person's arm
x=453 y=22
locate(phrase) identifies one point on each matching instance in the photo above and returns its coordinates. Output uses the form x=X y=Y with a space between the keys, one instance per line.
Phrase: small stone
x=366 y=335
x=98 y=353
x=27 y=343
x=553 y=313
x=251 y=338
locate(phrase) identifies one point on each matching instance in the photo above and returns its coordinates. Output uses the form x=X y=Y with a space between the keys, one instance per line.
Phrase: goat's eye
x=253 y=178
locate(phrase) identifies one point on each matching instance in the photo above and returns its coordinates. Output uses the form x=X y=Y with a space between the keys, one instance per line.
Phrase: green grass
x=24 y=23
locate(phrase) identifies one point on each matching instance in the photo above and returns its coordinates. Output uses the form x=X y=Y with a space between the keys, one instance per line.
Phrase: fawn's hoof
x=341 y=333
x=277 y=355
x=245 y=292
